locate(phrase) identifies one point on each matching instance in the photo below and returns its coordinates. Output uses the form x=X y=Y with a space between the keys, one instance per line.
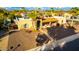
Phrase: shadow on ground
x=70 y=46
x=60 y=32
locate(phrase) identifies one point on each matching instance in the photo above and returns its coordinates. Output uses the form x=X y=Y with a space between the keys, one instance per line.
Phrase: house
x=61 y=19
x=24 y=23
x=30 y=24
x=67 y=15
x=73 y=20
x=48 y=22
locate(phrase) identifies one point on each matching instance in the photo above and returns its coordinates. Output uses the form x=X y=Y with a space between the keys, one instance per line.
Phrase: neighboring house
x=61 y=19
x=28 y=23
x=24 y=23
x=73 y=20
x=48 y=22
x=67 y=15
x=70 y=17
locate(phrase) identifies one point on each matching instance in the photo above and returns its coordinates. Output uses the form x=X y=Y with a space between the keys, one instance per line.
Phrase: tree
x=3 y=15
x=23 y=9
x=52 y=9
x=74 y=11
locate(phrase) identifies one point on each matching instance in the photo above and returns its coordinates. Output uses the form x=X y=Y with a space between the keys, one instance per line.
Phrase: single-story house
x=24 y=23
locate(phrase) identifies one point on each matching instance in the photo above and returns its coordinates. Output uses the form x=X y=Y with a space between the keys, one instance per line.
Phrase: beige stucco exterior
x=67 y=15
x=32 y=25
x=61 y=20
x=21 y=23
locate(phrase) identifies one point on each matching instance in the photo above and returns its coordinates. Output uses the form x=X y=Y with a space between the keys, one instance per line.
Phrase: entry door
x=38 y=24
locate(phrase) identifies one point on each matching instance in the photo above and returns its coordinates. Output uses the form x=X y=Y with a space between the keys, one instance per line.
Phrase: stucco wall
x=21 y=23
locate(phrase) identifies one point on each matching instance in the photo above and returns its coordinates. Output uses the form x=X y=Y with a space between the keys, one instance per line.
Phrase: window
x=25 y=25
